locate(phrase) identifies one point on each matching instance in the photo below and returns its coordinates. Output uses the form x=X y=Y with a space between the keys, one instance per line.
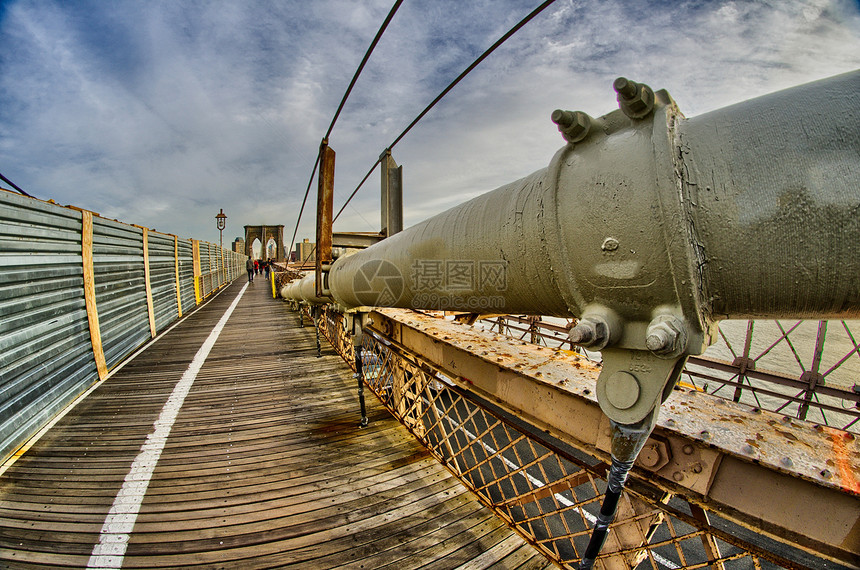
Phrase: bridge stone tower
x=264 y=234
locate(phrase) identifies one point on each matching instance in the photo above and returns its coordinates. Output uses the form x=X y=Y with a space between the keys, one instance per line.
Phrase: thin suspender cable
x=363 y=62
x=12 y=184
x=304 y=201
x=354 y=192
x=445 y=91
x=475 y=64
x=340 y=107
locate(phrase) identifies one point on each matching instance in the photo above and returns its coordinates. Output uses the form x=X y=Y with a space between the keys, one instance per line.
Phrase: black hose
x=359 y=374
x=614 y=486
x=627 y=442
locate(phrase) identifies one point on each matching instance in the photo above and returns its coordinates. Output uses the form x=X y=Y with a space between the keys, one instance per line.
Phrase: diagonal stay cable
x=357 y=188
x=12 y=184
x=304 y=201
x=358 y=71
x=445 y=91
x=361 y=65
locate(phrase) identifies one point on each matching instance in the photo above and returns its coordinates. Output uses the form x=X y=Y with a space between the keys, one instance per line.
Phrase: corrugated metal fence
x=79 y=293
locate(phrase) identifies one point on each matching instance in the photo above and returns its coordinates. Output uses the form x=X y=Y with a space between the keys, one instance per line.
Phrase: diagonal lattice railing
x=547 y=491
x=803 y=369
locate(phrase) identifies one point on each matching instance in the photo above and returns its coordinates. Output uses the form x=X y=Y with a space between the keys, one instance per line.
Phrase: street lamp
x=221 y=222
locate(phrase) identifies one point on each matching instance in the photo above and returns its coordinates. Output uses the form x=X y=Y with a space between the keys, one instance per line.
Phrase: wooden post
x=195 y=252
x=325 y=213
x=147 y=281
x=90 y=292
x=176 y=266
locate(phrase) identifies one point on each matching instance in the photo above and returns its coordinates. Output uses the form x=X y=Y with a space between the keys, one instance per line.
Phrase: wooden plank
x=148 y=282
x=195 y=258
x=325 y=211
x=485 y=535
x=524 y=559
x=264 y=467
x=491 y=557
x=396 y=541
x=90 y=292
x=176 y=269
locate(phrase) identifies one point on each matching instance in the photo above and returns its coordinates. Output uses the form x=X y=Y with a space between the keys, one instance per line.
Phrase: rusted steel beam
x=742 y=366
x=356 y=239
x=325 y=214
x=766 y=480
x=391 y=184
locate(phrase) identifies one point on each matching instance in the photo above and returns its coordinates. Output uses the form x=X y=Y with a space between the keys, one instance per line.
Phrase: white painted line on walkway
x=113 y=540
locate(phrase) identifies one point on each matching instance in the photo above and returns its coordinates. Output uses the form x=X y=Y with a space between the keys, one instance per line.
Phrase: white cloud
x=162 y=113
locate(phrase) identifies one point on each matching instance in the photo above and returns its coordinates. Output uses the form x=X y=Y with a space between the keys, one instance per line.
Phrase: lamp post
x=221 y=223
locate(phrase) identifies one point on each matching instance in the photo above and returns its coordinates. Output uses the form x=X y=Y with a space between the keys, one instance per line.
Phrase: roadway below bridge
x=228 y=443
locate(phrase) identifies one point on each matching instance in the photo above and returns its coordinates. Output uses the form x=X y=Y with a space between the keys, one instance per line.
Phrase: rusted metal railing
x=641 y=229
x=777 y=366
x=547 y=491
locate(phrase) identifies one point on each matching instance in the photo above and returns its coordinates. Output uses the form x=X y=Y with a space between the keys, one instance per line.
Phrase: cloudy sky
x=160 y=113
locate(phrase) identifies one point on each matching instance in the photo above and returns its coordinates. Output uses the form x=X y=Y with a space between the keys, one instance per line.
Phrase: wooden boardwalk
x=264 y=466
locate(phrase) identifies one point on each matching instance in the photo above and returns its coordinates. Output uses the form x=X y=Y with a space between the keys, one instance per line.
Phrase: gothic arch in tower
x=264 y=234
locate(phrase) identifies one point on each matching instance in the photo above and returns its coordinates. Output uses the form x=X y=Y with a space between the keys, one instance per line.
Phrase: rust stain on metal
x=786 y=434
x=716 y=427
x=847 y=471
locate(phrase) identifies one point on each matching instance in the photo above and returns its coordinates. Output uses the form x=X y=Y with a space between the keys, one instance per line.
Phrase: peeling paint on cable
x=115 y=533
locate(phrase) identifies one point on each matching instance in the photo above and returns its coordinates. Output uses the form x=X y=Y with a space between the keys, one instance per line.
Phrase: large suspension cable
x=445 y=91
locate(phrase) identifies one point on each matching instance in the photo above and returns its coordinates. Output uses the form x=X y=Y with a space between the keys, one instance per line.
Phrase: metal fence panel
x=120 y=288
x=162 y=271
x=205 y=270
x=45 y=348
x=186 y=275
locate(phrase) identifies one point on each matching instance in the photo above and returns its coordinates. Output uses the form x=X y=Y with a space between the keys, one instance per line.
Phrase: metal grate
x=547 y=491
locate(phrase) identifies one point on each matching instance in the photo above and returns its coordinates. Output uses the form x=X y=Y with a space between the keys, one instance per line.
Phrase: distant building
x=305 y=251
x=239 y=245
